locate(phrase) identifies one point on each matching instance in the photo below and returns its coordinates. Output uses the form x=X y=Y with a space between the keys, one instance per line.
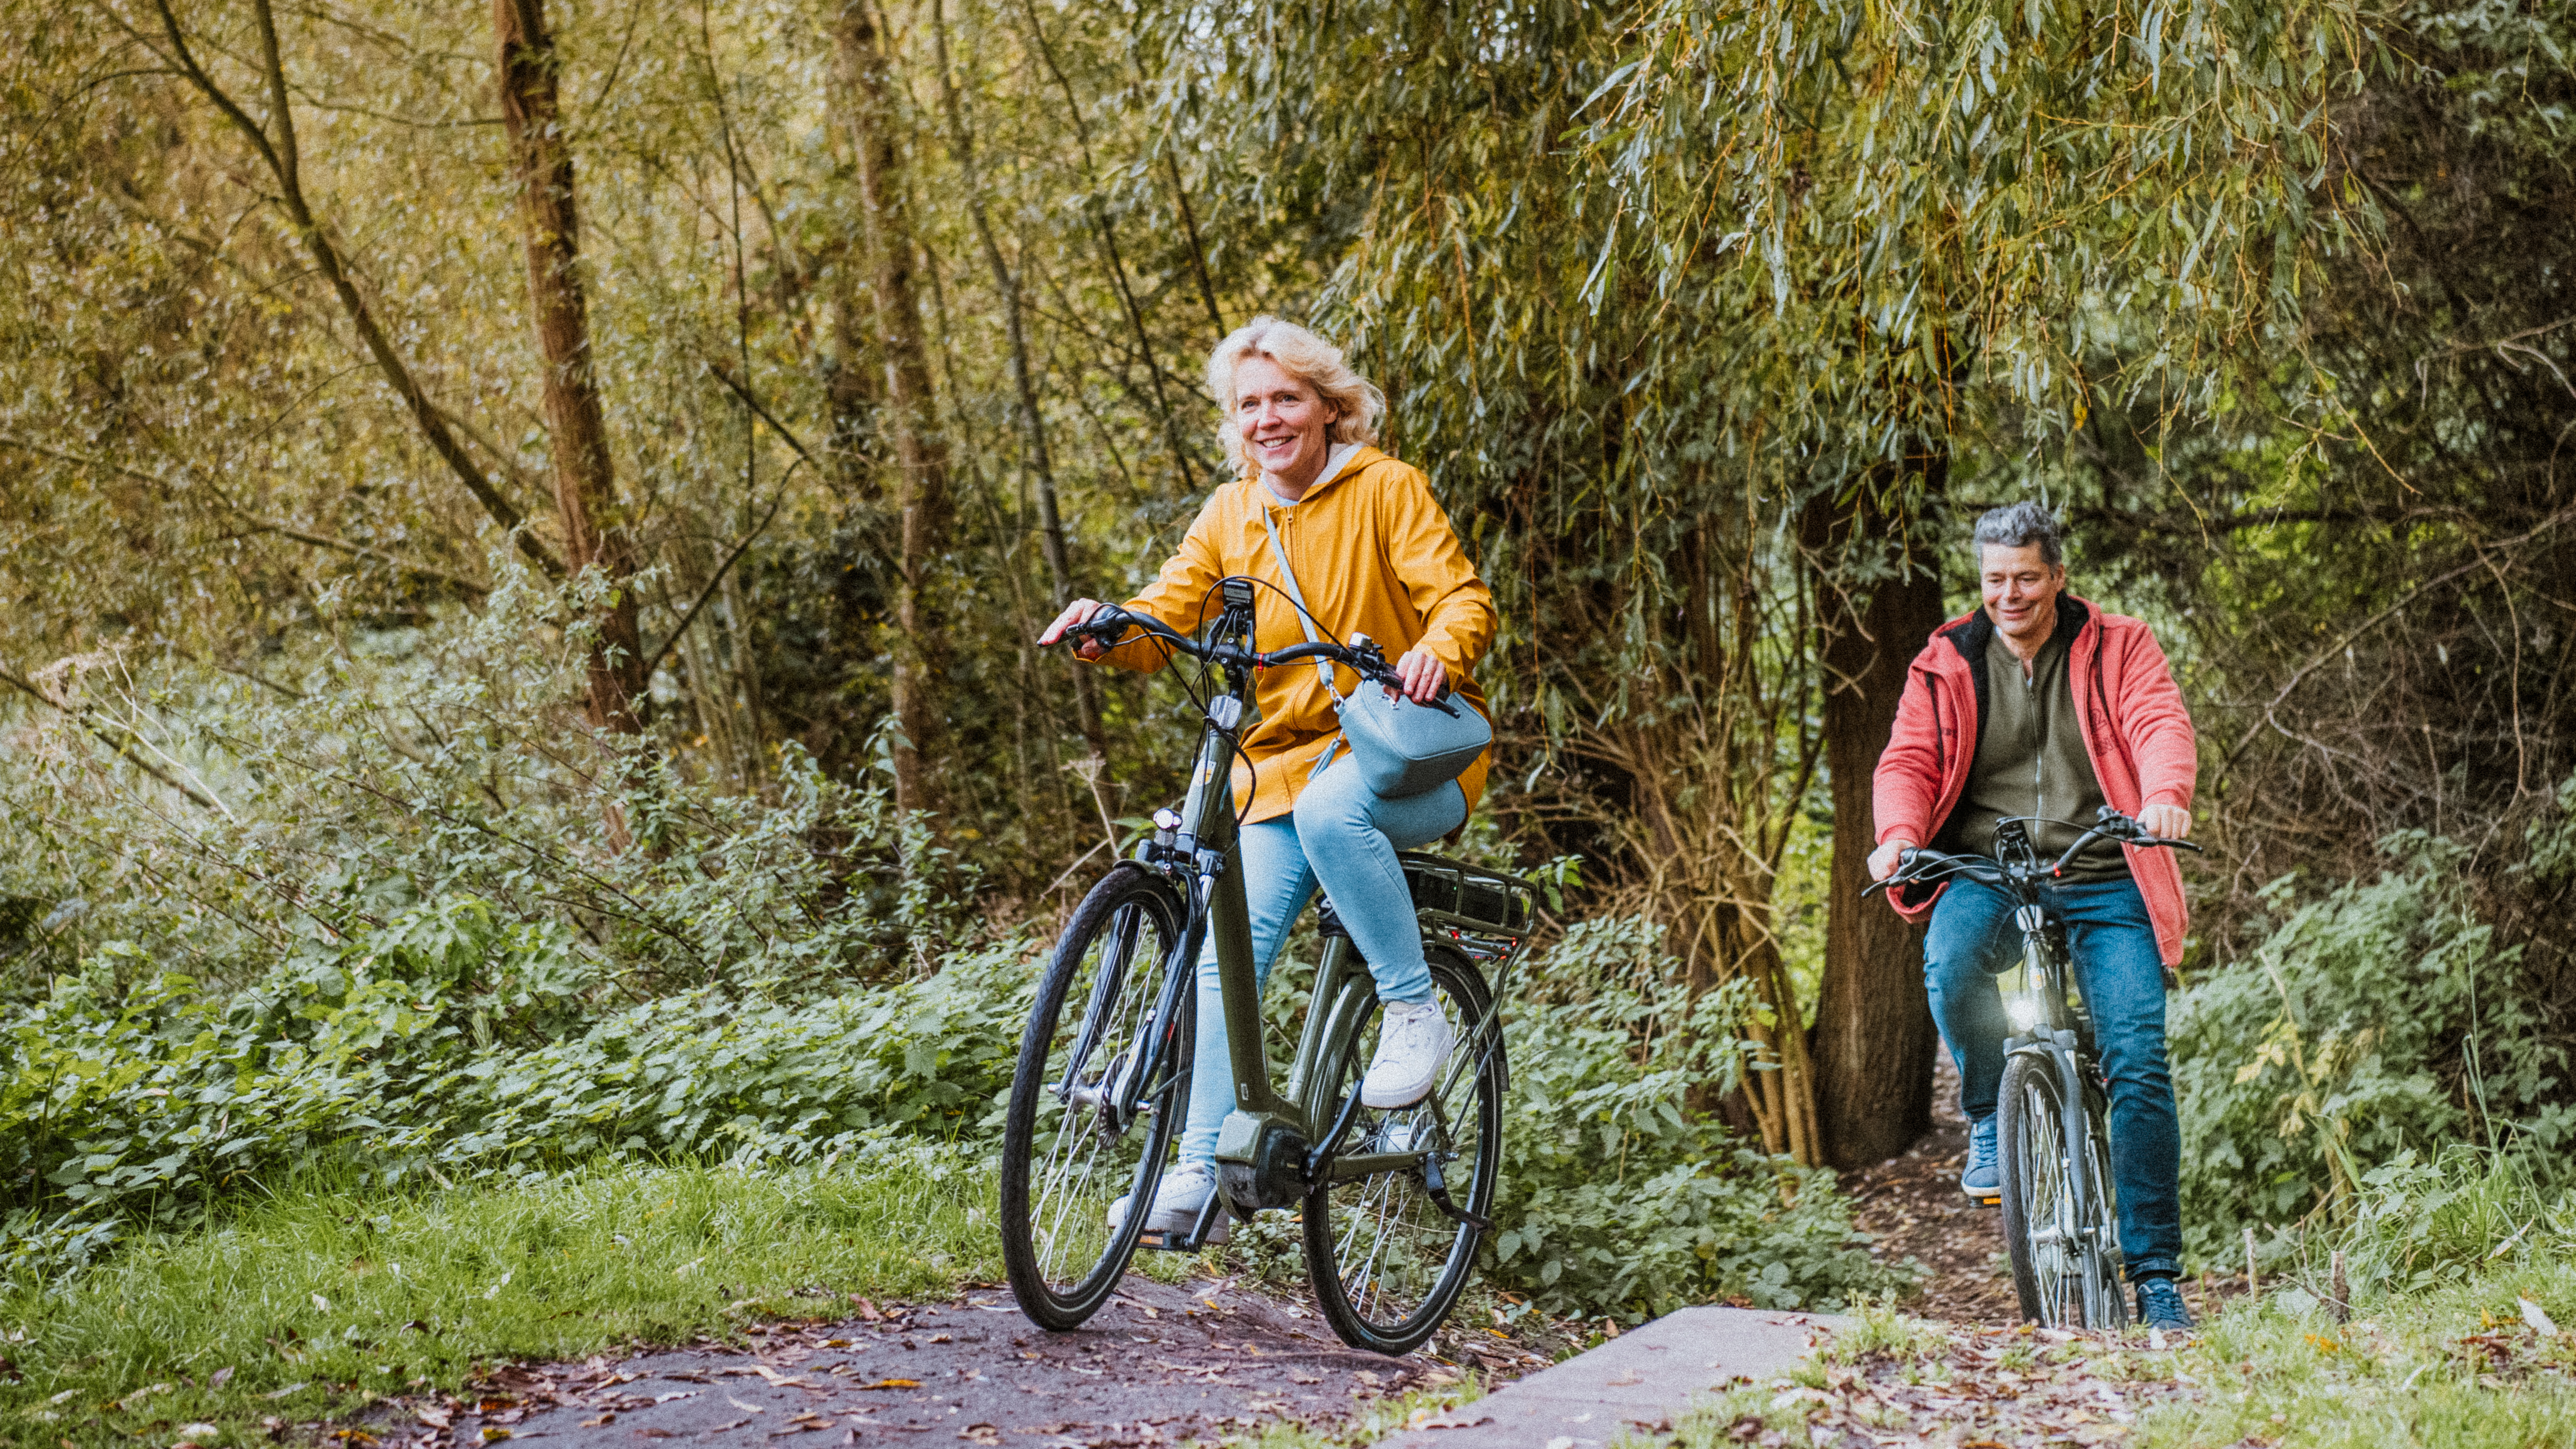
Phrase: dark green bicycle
x=1392 y=1202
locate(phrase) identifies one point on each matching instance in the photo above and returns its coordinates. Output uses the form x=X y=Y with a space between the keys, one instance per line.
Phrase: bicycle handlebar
x=1110 y=621
x=1917 y=865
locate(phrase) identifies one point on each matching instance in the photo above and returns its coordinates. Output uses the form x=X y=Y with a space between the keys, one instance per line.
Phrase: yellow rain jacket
x=1375 y=555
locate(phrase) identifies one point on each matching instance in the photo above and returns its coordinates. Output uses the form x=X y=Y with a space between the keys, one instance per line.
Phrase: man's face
x=2021 y=592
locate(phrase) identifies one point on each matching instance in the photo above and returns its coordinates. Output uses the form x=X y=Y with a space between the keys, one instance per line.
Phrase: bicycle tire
x=1063 y=1256
x=1386 y=1262
x=2097 y=1197
x=2039 y=1206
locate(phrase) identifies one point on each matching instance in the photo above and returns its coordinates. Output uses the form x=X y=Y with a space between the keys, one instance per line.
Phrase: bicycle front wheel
x=1100 y=1090
x=1387 y=1260
x=2097 y=1205
x=2041 y=1231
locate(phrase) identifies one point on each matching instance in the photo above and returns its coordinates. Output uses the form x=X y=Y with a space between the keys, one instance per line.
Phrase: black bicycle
x=2060 y=1209
x=1392 y=1202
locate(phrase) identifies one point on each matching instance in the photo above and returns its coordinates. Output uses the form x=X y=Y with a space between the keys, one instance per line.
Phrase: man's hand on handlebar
x=2165 y=822
x=1075 y=615
x=1884 y=860
x=1423 y=675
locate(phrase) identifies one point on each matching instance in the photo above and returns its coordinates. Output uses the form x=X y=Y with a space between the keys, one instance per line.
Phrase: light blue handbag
x=1401 y=748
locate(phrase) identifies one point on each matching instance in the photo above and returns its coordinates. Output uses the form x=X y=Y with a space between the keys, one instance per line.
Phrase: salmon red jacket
x=2136 y=732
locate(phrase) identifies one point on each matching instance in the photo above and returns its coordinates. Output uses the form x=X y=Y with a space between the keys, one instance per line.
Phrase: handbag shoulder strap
x=1297 y=596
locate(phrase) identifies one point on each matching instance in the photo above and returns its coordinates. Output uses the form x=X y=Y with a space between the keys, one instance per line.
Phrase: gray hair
x=2019 y=525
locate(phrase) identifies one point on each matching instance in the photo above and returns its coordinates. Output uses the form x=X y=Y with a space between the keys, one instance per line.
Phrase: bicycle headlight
x=2024 y=1011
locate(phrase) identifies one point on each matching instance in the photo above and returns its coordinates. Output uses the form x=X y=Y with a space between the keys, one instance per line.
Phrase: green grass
x=2451 y=1367
x=322 y=1301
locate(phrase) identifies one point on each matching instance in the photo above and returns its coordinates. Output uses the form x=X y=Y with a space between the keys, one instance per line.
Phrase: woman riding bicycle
x=1372 y=553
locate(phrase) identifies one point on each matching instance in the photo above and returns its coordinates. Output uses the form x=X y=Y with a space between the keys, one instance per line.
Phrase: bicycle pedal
x=1982 y=1200
x=1210 y=1227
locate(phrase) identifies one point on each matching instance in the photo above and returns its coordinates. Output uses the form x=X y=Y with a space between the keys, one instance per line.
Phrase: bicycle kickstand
x=1439 y=1186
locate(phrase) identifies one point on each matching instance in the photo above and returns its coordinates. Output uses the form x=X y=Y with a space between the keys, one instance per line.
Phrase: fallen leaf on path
x=746 y=1408
x=980 y=1434
x=908 y=1383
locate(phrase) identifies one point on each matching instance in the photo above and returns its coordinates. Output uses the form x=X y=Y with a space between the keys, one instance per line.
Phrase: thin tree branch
x=280 y=156
x=81 y=717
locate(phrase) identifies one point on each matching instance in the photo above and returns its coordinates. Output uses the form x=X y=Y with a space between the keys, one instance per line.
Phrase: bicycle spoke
x=1090 y=1042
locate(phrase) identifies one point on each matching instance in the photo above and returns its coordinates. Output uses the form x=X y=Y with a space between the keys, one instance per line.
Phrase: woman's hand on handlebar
x=1075 y=615
x=1884 y=860
x=2165 y=822
x=1423 y=675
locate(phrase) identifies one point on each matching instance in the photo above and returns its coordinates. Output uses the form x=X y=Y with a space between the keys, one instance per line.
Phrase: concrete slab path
x=1641 y=1380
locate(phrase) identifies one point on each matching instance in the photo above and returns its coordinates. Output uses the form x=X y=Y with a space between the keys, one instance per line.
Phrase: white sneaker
x=1413 y=1044
x=1178 y=1199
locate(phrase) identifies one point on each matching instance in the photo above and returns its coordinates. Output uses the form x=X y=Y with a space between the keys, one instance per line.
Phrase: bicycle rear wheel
x=1069 y=1148
x=1387 y=1262
x=2040 y=1221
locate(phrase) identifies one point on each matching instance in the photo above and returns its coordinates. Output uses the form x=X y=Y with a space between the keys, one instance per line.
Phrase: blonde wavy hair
x=1357 y=404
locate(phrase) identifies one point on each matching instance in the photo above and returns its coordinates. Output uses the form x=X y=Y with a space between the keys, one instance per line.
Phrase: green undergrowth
x=2458 y=1367
x=323 y=1300
x=2459 y=1271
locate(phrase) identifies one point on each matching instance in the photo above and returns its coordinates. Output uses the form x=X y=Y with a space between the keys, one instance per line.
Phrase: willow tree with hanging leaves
x=1686 y=308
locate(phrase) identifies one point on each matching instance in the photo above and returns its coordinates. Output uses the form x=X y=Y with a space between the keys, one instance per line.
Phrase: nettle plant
x=415 y=922
x=1617 y=1197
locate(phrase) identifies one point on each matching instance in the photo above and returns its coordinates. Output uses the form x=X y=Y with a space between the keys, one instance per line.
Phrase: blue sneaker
x=2160 y=1304
x=1982 y=1177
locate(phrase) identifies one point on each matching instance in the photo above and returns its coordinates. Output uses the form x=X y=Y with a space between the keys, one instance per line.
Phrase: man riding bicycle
x=2040 y=706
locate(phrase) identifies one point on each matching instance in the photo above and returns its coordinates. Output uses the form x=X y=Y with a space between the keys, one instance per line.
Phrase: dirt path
x=1913 y=1205
x=1162 y=1363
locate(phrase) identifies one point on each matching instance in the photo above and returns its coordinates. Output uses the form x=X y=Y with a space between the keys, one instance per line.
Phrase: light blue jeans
x=1345 y=837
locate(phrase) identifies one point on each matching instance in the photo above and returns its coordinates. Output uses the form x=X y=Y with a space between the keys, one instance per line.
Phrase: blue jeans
x=1973 y=939
x=1347 y=838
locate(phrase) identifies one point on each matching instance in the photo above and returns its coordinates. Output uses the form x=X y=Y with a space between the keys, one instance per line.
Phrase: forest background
x=524 y=533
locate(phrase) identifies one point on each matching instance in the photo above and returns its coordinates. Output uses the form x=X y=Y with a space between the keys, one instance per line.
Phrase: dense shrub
x=2381 y=1019
x=443 y=1046
x=1614 y=1198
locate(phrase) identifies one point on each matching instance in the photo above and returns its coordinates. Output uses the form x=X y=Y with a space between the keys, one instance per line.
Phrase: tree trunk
x=911 y=419
x=594 y=524
x=1874 y=1039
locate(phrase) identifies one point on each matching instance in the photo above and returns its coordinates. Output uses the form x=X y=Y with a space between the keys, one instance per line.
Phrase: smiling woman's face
x=1286 y=426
